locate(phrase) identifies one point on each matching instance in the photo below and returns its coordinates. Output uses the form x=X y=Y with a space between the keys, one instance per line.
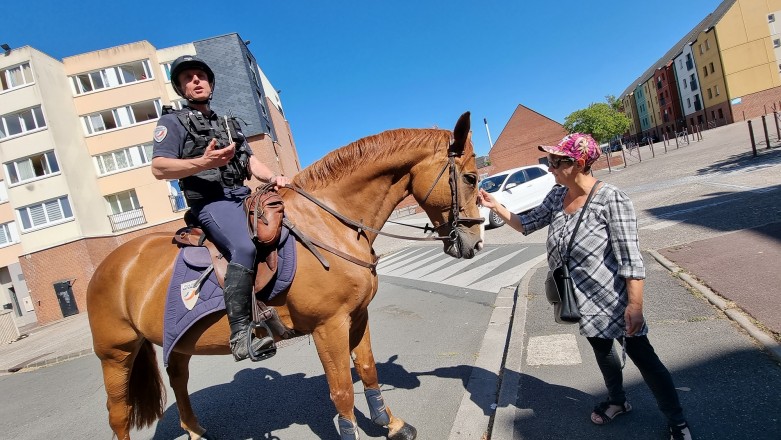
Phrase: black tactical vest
x=208 y=184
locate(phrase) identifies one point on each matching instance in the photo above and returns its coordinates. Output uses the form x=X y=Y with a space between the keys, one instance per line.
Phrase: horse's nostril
x=479 y=246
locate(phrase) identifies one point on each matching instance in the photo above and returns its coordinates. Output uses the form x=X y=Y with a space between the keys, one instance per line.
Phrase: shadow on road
x=259 y=402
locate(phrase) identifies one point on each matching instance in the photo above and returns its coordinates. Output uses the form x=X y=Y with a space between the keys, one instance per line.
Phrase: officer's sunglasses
x=556 y=161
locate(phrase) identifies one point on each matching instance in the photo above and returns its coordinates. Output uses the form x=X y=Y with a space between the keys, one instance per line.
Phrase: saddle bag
x=265 y=210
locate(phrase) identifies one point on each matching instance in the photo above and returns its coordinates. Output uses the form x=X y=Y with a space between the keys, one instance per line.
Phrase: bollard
x=623 y=156
x=751 y=134
x=676 y=141
x=764 y=126
x=666 y=141
x=778 y=130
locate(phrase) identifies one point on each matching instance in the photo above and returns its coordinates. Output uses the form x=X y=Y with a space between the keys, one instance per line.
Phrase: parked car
x=518 y=189
x=615 y=146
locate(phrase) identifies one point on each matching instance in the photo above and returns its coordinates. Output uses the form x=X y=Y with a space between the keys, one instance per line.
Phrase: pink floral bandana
x=576 y=146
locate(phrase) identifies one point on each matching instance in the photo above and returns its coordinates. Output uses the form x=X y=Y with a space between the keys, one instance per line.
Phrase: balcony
x=178 y=203
x=127 y=219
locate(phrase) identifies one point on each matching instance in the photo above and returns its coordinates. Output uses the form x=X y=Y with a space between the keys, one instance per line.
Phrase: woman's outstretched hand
x=486 y=200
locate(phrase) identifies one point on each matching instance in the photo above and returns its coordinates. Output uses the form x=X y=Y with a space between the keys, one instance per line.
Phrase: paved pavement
x=723 y=349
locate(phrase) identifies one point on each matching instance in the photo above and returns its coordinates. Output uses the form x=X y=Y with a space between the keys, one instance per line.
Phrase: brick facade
x=757 y=104
x=75 y=261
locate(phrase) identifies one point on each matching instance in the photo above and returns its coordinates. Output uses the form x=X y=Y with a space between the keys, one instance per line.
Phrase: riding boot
x=239 y=286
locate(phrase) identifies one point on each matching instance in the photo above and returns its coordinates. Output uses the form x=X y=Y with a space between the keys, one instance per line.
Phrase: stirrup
x=264 y=353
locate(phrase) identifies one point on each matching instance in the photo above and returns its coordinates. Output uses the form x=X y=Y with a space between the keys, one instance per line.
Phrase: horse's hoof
x=407 y=432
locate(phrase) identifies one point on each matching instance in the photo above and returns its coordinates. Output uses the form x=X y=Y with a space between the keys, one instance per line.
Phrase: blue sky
x=349 y=69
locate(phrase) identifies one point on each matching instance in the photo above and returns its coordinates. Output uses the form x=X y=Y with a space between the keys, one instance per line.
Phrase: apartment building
x=728 y=67
x=75 y=143
x=629 y=104
x=669 y=103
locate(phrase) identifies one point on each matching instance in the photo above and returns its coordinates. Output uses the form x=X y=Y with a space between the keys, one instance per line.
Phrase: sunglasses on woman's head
x=556 y=161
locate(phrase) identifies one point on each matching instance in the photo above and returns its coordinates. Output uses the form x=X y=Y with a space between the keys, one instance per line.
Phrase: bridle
x=455 y=208
x=455 y=217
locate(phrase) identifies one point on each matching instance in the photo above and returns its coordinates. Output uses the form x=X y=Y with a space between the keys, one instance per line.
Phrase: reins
x=455 y=209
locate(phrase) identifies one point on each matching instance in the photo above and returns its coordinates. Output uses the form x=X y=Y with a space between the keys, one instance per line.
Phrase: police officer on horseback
x=211 y=160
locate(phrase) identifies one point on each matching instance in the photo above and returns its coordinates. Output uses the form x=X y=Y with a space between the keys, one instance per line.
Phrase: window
x=45 y=214
x=178 y=104
x=260 y=101
x=534 y=173
x=31 y=168
x=684 y=83
x=123 y=202
x=517 y=178
x=124 y=159
x=711 y=68
x=3 y=192
x=111 y=77
x=710 y=94
x=166 y=67
x=777 y=42
x=701 y=51
x=122 y=116
x=16 y=76
x=24 y=121
x=705 y=70
x=126 y=212
x=716 y=89
x=688 y=102
x=721 y=114
x=707 y=44
x=8 y=234
x=680 y=63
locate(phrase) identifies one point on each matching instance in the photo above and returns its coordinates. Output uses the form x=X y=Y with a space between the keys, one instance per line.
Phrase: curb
x=50 y=361
x=735 y=313
x=502 y=425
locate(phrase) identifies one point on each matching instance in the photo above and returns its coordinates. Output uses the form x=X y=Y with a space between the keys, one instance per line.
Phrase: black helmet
x=185 y=62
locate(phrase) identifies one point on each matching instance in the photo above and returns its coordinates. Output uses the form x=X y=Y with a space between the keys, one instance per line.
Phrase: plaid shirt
x=605 y=252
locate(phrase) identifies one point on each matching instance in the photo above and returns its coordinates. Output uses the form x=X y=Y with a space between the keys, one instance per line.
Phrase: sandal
x=680 y=432
x=600 y=415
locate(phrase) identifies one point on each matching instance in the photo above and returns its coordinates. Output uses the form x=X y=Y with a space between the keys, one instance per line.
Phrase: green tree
x=600 y=120
x=614 y=102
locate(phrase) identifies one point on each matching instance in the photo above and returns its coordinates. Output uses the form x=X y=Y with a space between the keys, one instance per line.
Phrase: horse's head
x=446 y=189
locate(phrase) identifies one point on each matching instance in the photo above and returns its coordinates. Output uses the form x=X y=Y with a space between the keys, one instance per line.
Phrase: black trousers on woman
x=654 y=373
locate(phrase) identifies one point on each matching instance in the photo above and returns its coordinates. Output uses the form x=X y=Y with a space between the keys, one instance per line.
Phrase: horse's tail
x=146 y=395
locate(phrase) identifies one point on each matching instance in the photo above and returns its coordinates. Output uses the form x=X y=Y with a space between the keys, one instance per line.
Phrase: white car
x=518 y=189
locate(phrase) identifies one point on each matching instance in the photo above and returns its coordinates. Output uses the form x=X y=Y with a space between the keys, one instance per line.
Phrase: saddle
x=265 y=210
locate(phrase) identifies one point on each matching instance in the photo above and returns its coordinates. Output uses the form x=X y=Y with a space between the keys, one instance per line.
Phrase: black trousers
x=654 y=373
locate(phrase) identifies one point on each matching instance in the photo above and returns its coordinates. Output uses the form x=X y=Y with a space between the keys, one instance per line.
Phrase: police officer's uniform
x=216 y=198
x=216 y=195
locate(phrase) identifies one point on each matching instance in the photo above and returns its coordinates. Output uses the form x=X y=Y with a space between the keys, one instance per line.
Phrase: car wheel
x=494 y=220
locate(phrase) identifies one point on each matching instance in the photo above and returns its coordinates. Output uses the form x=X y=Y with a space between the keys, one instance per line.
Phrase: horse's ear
x=460 y=135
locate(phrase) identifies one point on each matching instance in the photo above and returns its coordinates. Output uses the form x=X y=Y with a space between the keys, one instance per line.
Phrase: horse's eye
x=470 y=179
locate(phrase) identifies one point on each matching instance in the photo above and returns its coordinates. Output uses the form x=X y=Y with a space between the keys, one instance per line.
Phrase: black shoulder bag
x=559 y=288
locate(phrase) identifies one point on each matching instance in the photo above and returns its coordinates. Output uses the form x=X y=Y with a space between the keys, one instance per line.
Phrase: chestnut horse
x=363 y=181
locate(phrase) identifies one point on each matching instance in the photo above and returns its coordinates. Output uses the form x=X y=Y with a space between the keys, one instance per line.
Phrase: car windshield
x=492 y=184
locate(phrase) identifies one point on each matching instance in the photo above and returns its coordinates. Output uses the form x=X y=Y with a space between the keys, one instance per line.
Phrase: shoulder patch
x=161 y=131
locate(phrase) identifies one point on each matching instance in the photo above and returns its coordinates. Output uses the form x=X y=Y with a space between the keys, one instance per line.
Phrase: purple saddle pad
x=183 y=308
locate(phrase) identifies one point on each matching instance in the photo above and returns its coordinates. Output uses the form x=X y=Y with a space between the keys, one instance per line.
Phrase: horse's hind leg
x=134 y=391
x=365 y=366
x=178 y=374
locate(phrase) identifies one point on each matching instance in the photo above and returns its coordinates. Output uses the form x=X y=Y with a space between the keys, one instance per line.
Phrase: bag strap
x=580 y=217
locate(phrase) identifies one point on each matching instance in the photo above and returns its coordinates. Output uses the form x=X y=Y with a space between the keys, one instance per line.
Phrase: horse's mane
x=365 y=151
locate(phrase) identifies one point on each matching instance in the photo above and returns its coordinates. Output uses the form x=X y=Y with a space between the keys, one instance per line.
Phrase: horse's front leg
x=178 y=374
x=365 y=366
x=333 y=348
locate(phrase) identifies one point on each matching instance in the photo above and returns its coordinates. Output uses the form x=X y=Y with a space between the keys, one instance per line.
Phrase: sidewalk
x=44 y=345
x=727 y=385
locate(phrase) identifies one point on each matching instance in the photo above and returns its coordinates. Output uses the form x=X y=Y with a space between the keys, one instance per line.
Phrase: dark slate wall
x=236 y=89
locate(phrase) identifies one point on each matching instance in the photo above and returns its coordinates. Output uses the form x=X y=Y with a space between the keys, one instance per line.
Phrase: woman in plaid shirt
x=607 y=269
